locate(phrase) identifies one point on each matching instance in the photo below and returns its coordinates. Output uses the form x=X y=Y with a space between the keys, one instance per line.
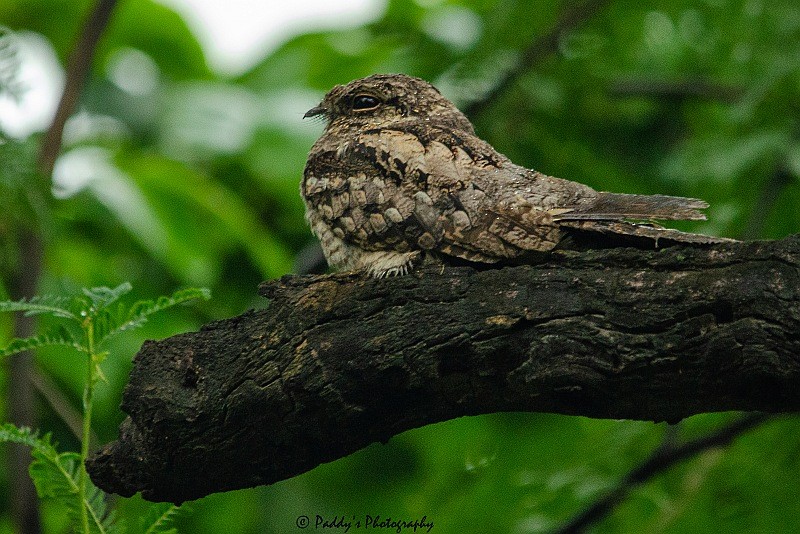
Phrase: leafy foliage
x=57 y=476
x=99 y=315
x=97 y=306
x=110 y=324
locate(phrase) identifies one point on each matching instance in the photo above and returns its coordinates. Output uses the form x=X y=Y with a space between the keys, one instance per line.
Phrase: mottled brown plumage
x=399 y=171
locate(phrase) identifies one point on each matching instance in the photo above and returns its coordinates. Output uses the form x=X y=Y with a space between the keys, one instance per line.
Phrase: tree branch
x=541 y=47
x=659 y=461
x=340 y=361
x=79 y=63
x=677 y=89
x=21 y=400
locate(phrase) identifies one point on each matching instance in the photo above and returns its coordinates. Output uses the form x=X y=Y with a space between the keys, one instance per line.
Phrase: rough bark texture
x=340 y=361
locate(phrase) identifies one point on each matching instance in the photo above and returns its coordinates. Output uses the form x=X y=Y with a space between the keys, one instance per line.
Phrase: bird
x=399 y=175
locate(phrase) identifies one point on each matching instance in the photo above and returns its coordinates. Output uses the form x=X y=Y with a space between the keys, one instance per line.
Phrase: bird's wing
x=440 y=190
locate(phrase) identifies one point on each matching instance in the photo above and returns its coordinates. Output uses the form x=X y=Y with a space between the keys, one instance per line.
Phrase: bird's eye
x=365 y=103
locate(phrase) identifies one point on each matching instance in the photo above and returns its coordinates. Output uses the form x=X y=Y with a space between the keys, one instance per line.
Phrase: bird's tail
x=618 y=206
x=631 y=233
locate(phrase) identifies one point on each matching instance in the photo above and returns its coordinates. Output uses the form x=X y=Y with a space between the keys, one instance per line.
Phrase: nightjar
x=399 y=173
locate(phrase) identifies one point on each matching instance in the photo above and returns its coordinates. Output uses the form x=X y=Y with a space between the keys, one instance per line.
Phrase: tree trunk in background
x=21 y=399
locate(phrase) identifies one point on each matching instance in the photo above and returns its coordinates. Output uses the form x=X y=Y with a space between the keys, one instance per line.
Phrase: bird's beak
x=315 y=111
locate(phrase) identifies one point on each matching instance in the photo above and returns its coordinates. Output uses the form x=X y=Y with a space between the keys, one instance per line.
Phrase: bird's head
x=388 y=100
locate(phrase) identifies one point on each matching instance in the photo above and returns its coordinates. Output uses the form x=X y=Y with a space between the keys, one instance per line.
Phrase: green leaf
x=56 y=336
x=52 y=304
x=55 y=475
x=107 y=321
x=160 y=518
x=141 y=310
x=161 y=33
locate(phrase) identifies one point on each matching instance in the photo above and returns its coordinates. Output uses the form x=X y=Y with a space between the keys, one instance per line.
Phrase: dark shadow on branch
x=338 y=362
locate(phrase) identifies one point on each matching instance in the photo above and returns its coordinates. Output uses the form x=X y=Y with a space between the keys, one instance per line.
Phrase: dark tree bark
x=340 y=361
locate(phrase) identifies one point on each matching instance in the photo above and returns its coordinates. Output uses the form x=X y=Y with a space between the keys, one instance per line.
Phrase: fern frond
x=55 y=476
x=160 y=518
x=114 y=322
x=102 y=519
x=56 y=336
x=102 y=297
x=144 y=308
x=10 y=433
x=51 y=304
x=108 y=320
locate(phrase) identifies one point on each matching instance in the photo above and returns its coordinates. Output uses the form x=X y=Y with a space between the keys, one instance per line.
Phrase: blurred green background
x=173 y=174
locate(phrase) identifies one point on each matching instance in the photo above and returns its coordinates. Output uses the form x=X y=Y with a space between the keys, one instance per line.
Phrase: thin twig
x=539 y=49
x=677 y=89
x=663 y=458
x=775 y=185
